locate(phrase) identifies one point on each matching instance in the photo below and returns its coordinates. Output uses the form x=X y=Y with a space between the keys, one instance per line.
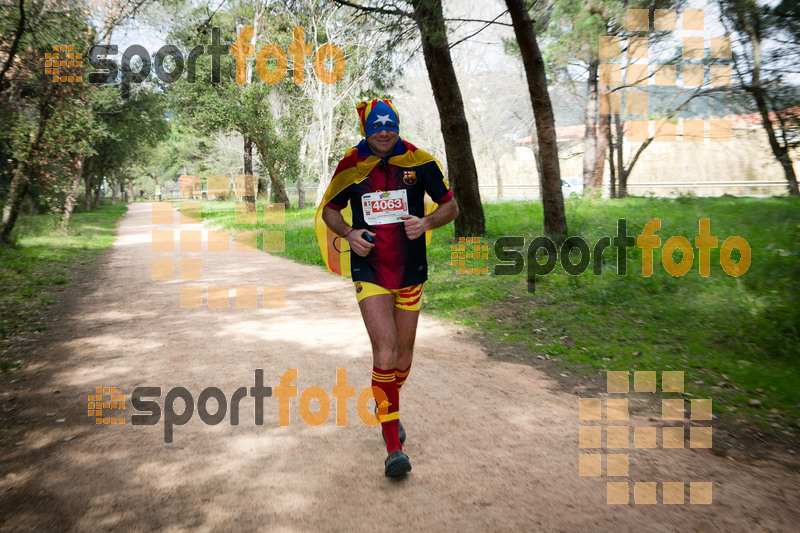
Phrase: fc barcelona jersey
x=396 y=261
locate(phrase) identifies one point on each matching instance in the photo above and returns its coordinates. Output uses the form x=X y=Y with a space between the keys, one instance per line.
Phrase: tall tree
x=87 y=129
x=19 y=30
x=327 y=126
x=48 y=127
x=574 y=31
x=573 y=52
x=257 y=110
x=135 y=125
x=36 y=130
x=761 y=74
x=555 y=220
x=460 y=161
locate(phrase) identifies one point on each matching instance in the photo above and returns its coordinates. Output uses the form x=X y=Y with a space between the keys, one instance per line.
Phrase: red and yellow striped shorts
x=408 y=298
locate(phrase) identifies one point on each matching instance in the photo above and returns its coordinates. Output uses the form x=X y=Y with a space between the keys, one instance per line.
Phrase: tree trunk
x=249 y=187
x=301 y=190
x=590 y=148
x=555 y=220
x=278 y=187
x=301 y=194
x=780 y=152
x=602 y=143
x=21 y=181
x=537 y=157
x=69 y=203
x=130 y=187
x=455 y=130
x=622 y=174
x=87 y=193
x=248 y=156
x=17 y=35
x=322 y=186
x=249 y=196
x=611 y=170
x=98 y=187
x=498 y=173
x=19 y=187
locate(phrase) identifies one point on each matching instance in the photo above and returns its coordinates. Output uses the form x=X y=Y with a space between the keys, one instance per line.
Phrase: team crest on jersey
x=409 y=177
x=359 y=288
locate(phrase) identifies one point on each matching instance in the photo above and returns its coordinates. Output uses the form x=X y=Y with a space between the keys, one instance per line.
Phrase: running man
x=375 y=204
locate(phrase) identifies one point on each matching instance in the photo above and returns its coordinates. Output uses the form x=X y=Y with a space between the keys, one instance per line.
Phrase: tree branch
x=481 y=29
x=637 y=154
x=122 y=17
x=203 y=27
x=484 y=21
x=671 y=114
x=381 y=10
x=781 y=122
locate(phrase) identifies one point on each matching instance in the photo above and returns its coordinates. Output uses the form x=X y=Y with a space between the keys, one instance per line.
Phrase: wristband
x=348 y=233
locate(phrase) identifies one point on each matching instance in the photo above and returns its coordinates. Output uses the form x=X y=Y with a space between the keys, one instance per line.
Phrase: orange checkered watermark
x=620 y=436
x=469 y=248
x=63 y=57
x=705 y=62
x=194 y=244
x=103 y=400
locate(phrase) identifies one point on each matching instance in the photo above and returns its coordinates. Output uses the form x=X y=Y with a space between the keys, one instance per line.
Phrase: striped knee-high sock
x=401 y=376
x=385 y=380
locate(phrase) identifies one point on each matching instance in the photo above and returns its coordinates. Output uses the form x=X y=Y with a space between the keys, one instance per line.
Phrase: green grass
x=42 y=260
x=736 y=338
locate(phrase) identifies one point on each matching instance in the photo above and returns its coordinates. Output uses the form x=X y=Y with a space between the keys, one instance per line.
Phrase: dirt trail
x=494 y=446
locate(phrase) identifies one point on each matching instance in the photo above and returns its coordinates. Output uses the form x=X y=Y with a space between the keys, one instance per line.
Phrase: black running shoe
x=397 y=464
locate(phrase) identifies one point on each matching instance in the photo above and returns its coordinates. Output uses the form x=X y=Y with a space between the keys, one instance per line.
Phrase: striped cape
x=354 y=169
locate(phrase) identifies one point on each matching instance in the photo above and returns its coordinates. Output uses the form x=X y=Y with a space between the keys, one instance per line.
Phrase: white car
x=571 y=186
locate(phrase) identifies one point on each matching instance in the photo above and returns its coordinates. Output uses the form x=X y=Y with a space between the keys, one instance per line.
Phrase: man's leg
x=378 y=314
x=406 y=314
x=406 y=326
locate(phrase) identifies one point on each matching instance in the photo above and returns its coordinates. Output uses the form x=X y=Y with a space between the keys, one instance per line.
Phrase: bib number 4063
x=390 y=204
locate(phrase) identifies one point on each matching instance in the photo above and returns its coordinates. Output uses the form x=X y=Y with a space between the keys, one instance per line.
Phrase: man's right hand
x=358 y=244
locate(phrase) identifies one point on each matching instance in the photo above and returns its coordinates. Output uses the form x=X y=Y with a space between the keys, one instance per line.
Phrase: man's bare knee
x=385 y=359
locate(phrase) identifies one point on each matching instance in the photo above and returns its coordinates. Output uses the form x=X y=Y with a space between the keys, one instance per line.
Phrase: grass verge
x=43 y=260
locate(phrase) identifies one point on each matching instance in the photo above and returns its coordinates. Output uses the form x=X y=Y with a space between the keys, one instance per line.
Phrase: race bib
x=384 y=207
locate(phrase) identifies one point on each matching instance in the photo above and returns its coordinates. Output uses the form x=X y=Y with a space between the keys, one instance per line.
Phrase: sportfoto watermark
x=514 y=261
x=283 y=392
x=107 y=69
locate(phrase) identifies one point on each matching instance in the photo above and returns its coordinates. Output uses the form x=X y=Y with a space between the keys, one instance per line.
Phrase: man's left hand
x=415 y=226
